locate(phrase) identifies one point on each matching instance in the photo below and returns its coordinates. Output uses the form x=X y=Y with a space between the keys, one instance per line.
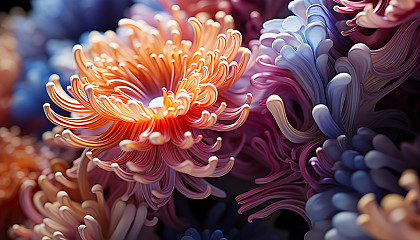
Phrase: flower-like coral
x=81 y=206
x=319 y=93
x=282 y=182
x=155 y=93
x=19 y=160
x=194 y=7
x=374 y=22
x=378 y=14
x=398 y=216
x=366 y=163
x=9 y=67
x=249 y=15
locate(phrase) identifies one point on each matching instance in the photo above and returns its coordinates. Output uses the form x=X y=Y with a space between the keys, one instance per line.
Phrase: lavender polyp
x=346 y=201
x=369 y=164
x=347 y=226
x=336 y=90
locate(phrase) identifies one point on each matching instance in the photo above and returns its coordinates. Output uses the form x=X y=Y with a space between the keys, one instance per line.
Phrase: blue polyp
x=335 y=89
x=273 y=24
x=363 y=183
x=304 y=51
x=347 y=158
x=189 y=238
x=359 y=162
x=346 y=225
x=384 y=179
x=366 y=132
x=385 y=145
x=193 y=233
x=217 y=235
x=292 y=23
x=289 y=53
x=324 y=47
x=278 y=44
x=315 y=33
x=325 y=122
x=323 y=67
x=361 y=143
x=343 y=177
x=205 y=235
x=333 y=234
x=346 y=201
x=376 y=159
x=319 y=206
x=332 y=149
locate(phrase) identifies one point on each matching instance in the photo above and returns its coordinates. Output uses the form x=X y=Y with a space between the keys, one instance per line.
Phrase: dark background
x=6 y=5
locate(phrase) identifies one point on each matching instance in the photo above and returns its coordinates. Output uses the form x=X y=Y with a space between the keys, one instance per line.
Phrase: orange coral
x=155 y=91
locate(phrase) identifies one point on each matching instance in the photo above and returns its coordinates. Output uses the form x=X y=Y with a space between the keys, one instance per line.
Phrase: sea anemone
x=180 y=81
x=315 y=93
x=378 y=14
x=373 y=22
x=282 y=182
x=368 y=163
x=82 y=207
x=398 y=216
x=249 y=15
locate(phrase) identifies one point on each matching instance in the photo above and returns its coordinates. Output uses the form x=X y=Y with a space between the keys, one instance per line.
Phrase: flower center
x=156 y=103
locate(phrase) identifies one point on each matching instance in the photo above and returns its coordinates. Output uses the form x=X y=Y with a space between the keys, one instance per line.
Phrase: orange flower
x=155 y=92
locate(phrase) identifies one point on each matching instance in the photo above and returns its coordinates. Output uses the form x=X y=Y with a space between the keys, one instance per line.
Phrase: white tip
x=66 y=133
x=114 y=165
x=49 y=85
x=125 y=21
x=77 y=47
